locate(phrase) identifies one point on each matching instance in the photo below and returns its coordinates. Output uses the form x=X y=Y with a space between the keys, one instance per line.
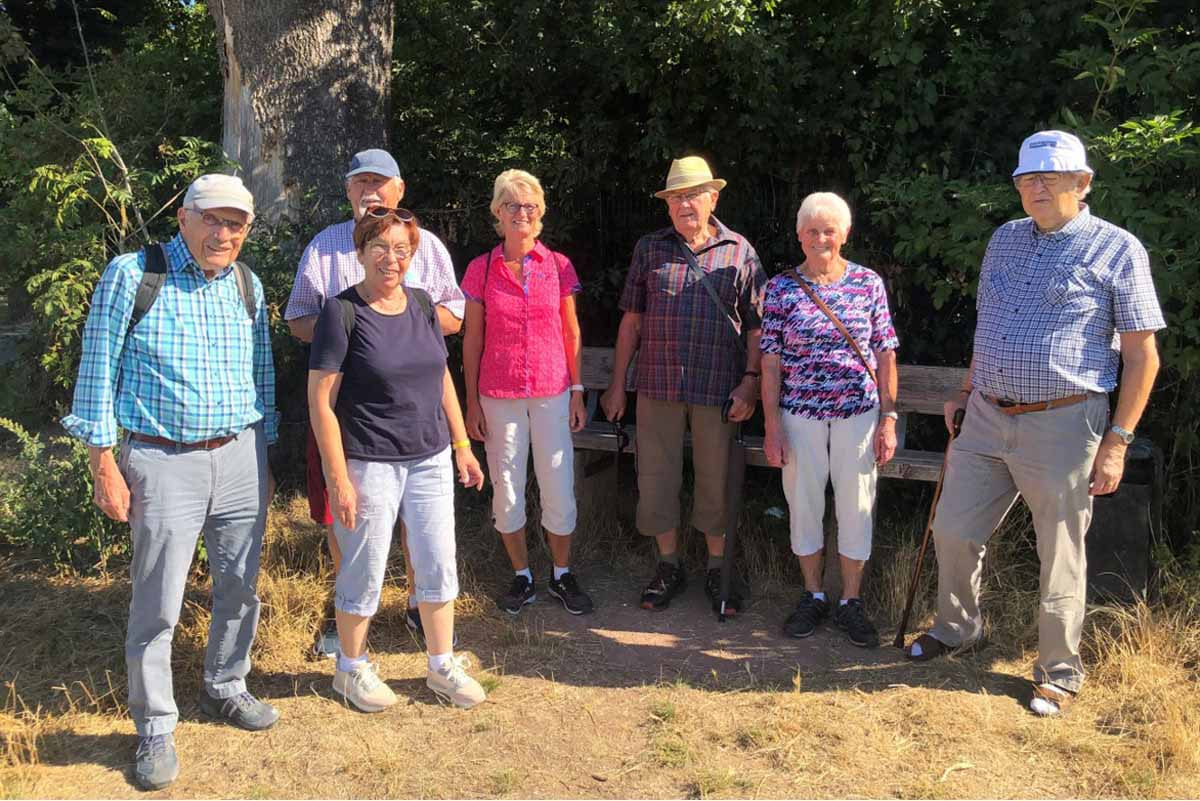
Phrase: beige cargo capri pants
x=1046 y=457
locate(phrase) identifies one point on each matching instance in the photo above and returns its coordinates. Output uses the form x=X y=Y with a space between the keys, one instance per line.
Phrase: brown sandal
x=931 y=648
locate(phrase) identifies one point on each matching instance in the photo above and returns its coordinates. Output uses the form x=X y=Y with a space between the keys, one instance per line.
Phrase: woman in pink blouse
x=521 y=357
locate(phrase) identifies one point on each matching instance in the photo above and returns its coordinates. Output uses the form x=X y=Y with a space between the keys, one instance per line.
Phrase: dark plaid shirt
x=688 y=351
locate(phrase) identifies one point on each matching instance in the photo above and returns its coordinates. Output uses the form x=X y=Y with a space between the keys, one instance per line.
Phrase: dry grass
x=554 y=727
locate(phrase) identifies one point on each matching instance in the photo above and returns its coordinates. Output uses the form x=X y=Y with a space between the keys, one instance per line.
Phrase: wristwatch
x=893 y=415
x=577 y=388
x=1125 y=435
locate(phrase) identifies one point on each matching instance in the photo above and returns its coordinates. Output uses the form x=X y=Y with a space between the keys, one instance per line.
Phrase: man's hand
x=1108 y=466
x=745 y=397
x=613 y=402
x=578 y=412
x=885 y=441
x=344 y=501
x=271 y=486
x=775 y=448
x=110 y=492
x=959 y=401
x=476 y=422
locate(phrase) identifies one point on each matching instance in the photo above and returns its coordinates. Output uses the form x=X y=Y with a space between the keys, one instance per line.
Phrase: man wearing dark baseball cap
x=177 y=355
x=330 y=265
x=1057 y=291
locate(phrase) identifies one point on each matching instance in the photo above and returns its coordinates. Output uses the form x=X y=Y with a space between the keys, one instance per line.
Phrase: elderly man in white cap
x=692 y=302
x=1064 y=297
x=177 y=355
x=330 y=265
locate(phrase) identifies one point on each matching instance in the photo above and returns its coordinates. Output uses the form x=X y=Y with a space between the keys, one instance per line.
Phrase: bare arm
x=1140 y=354
x=573 y=345
x=323 y=386
x=110 y=492
x=628 y=337
x=450 y=324
x=472 y=354
x=959 y=400
x=889 y=384
x=302 y=327
x=469 y=472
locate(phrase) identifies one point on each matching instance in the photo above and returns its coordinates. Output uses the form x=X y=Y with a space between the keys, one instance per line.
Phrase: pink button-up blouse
x=524 y=355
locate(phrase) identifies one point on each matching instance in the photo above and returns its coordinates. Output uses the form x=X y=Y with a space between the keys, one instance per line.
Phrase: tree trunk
x=307 y=85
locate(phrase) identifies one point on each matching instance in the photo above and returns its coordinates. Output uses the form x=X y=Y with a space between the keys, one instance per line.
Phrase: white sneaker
x=453 y=684
x=364 y=689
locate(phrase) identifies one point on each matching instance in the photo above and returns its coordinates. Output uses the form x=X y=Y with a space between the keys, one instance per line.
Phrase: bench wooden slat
x=924 y=389
x=598 y=368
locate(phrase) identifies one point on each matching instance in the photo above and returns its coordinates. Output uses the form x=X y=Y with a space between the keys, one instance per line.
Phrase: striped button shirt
x=688 y=352
x=1051 y=307
x=194 y=368
x=329 y=266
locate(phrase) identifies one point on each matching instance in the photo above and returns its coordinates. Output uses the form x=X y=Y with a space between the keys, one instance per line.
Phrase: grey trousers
x=1046 y=457
x=175 y=496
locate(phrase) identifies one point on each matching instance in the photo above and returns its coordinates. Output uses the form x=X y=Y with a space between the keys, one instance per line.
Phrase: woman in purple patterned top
x=826 y=418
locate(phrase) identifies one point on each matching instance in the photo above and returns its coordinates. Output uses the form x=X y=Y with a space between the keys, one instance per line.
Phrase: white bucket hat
x=1052 y=151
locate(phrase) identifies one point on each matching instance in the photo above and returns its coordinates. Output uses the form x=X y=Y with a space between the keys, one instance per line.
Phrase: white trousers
x=513 y=426
x=822 y=450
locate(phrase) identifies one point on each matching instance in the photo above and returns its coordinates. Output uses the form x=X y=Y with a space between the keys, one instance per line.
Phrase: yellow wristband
x=462 y=443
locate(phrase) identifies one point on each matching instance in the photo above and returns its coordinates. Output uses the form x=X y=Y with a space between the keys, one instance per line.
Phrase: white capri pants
x=420 y=491
x=513 y=424
x=843 y=451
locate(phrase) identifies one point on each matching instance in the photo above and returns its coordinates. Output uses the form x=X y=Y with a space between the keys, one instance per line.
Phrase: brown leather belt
x=1012 y=408
x=202 y=445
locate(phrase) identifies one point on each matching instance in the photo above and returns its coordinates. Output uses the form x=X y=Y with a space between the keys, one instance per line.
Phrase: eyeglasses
x=1050 y=180
x=381 y=251
x=690 y=197
x=380 y=212
x=528 y=208
x=236 y=227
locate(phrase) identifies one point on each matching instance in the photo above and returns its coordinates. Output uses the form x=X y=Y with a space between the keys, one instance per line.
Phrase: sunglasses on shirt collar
x=379 y=212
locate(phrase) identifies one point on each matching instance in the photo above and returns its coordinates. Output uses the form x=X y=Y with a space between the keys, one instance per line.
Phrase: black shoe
x=851 y=618
x=155 y=765
x=712 y=588
x=412 y=619
x=810 y=611
x=574 y=600
x=242 y=710
x=669 y=581
x=519 y=593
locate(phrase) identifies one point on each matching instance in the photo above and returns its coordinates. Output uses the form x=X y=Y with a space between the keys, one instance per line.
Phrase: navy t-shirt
x=390 y=404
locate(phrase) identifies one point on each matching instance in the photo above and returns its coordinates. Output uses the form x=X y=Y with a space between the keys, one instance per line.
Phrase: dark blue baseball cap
x=374 y=160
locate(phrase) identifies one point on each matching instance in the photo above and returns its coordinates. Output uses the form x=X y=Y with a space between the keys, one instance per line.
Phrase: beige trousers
x=660 y=426
x=1046 y=457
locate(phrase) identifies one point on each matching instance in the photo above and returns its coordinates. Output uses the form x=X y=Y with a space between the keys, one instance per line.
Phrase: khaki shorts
x=660 y=427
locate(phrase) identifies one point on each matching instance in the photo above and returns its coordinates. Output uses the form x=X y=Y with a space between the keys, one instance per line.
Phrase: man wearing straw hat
x=1064 y=297
x=692 y=305
x=177 y=354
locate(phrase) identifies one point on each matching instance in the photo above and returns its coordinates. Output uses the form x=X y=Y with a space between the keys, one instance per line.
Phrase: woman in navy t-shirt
x=386 y=418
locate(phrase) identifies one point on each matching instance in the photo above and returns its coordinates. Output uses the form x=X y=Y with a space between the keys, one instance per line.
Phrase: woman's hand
x=344 y=501
x=470 y=474
x=885 y=441
x=476 y=422
x=578 y=412
x=774 y=448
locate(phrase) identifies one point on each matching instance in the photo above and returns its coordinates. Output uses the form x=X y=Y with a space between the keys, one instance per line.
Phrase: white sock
x=559 y=572
x=412 y=602
x=527 y=573
x=349 y=664
x=915 y=649
x=439 y=662
x=843 y=602
x=820 y=596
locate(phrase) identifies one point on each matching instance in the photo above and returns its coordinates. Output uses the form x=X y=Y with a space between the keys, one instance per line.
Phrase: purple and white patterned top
x=329 y=266
x=1051 y=308
x=821 y=377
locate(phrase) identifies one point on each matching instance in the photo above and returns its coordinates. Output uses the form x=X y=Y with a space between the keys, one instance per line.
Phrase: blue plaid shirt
x=194 y=368
x=1051 y=307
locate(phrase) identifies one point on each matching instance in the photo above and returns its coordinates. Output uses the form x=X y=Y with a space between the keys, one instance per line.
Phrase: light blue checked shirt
x=1051 y=307
x=194 y=368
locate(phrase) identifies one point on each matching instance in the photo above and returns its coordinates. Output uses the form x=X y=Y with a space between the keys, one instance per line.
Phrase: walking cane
x=733 y=496
x=937 y=493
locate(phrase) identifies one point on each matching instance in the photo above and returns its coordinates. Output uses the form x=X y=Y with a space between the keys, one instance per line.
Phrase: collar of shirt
x=1078 y=224
x=180 y=259
x=720 y=236
x=539 y=252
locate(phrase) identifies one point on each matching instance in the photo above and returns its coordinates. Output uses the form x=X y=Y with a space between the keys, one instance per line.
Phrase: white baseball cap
x=1052 y=151
x=217 y=191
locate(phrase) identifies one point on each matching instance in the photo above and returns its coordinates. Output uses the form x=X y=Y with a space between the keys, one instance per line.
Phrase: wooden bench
x=923 y=389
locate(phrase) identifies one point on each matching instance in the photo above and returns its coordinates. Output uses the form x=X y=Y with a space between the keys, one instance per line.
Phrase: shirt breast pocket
x=1070 y=294
x=994 y=287
x=667 y=279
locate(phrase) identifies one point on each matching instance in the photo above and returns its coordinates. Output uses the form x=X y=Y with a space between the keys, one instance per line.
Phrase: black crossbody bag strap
x=696 y=270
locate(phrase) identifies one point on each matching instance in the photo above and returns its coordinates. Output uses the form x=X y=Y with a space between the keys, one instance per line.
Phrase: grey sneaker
x=155 y=765
x=242 y=710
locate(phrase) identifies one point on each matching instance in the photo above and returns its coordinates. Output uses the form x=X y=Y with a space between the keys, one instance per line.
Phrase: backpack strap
x=153 y=278
x=246 y=289
x=426 y=304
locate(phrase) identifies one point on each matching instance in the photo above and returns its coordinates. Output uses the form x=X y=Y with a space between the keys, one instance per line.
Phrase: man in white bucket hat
x=177 y=355
x=1064 y=297
x=692 y=302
